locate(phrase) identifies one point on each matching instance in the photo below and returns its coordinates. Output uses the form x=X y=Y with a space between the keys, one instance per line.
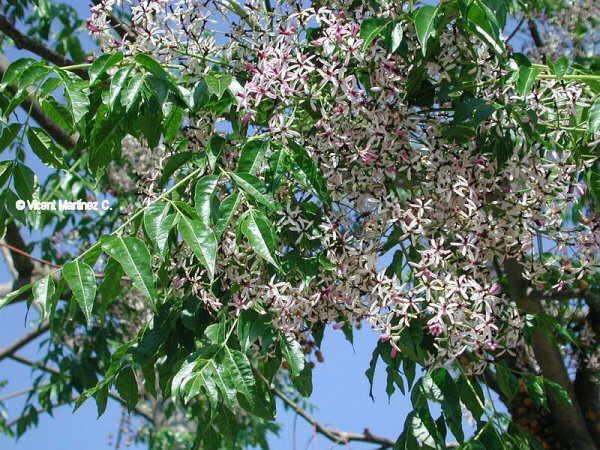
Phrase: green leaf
x=158 y=224
x=560 y=66
x=12 y=296
x=214 y=149
x=535 y=387
x=592 y=179
x=250 y=327
x=303 y=382
x=173 y=163
x=527 y=76
x=134 y=258
x=4 y=175
x=278 y=165
x=556 y=390
x=450 y=401
x=424 y=24
x=293 y=354
x=155 y=68
x=43 y=295
x=423 y=429
x=263 y=405
x=14 y=71
x=9 y=133
x=470 y=396
x=131 y=94
x=151 y=65
x=483 y=22
x=227 y=210
x=33 y=75
x=111 y=283
x=200 y=96
x=102 y=64
x=216 y=333
x=127 y=387
x=82 y=281
x=101 y=397
x=202 y=241
x=254 y=187
x=172 y=124
x=217 y=83
x=370 y=372
x=238 y=372
x=393 y=379
x=10 y=199
x=252 y=155
x=199 y=375
x=397 y=35
x=24 y=180
x=45 y=148
x=76 y=92
x=58 y=112
x=370 y=29
x=205 y=188
x=105 y=140
x=261 y=235
x=507 y=382
x=117 y=84
x=308 y=173
x=49 y=86
x=593 y=117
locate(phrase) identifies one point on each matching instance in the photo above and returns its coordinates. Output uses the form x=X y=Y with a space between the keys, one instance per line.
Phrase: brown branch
x=29 y=256
x=28 y=362
x=26 y=43
x=16 y=244
x=516 y=30
x=9 y=350
x=587 y=387
x=334 y=435
x=535 y=33
x=568 y=418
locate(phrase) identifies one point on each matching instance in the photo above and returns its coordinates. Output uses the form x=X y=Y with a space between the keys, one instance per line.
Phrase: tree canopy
x=242 y=175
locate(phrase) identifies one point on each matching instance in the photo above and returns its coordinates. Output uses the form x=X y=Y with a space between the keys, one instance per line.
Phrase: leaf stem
x=76 y=66
x=576 y=77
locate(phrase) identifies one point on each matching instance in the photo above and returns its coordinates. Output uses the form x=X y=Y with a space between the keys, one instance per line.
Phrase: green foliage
x=221 y=365
x=201 y=240
x=134 y=258
x=424 y=24
x=258 y=230
x=82 y=281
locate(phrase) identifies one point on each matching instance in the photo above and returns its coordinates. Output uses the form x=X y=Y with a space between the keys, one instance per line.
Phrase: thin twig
x=28 y=255
x=516 y=30
x=28 y=362
x=9 y=350
x=26 y=43
x=334 y=435
x=47 y=263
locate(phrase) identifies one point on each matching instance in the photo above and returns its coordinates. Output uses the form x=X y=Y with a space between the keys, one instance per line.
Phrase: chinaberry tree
x=274 y=167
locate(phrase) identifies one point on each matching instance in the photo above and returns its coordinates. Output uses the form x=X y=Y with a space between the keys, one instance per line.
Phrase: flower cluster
x=451 y=213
